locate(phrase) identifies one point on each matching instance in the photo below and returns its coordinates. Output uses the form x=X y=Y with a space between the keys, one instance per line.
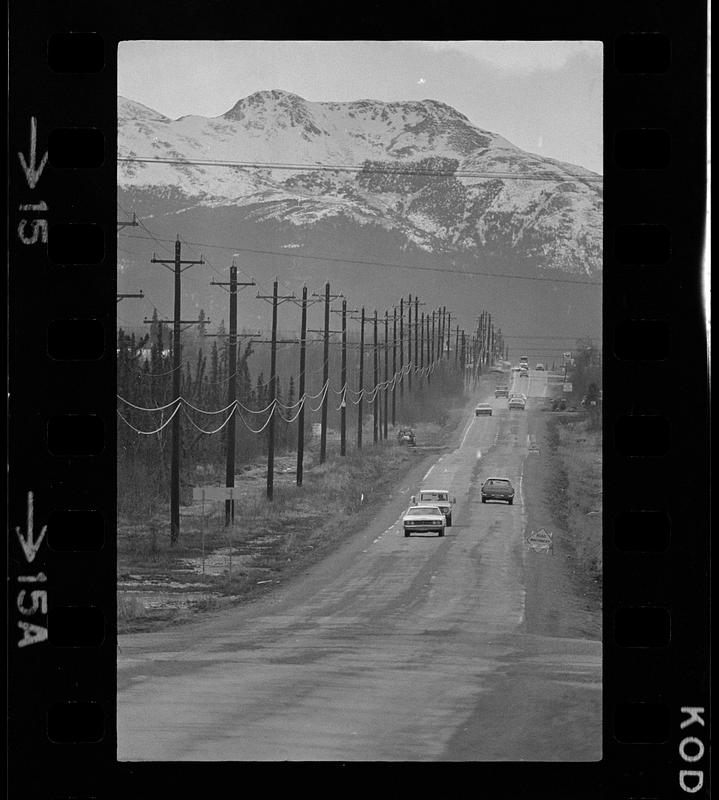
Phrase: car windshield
x=429 y=496
x=418 y=512
x=497 y=482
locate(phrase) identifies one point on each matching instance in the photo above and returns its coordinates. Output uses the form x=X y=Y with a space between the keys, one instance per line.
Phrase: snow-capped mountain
x=554 y=223
x=409 y=175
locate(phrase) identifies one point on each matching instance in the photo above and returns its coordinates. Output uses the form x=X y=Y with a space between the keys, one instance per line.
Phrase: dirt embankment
x=213 y=566
x=563 y=494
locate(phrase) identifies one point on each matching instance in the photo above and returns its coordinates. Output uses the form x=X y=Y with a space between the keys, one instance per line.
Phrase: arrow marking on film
x=32 y=174
x=29 y=544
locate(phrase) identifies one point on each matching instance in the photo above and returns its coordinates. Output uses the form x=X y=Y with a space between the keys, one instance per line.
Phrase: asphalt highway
x=390 y=649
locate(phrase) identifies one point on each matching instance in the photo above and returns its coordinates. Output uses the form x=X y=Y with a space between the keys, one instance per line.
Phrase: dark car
x=498 y=489
x=501 y=391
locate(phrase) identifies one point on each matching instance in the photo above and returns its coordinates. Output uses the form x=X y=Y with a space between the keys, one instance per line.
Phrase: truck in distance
x=436 y=497
x=501 y=391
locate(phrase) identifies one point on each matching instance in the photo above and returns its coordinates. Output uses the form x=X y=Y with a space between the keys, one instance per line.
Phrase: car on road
x=524 y=373
x=498 y=489
x=540 y=367
x=423 y=519
x=483 y=409
x=436 y=497
x=501 y=391
x=517 y=402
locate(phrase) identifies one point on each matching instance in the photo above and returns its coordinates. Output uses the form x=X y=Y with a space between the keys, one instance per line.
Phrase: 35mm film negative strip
x=352 y=422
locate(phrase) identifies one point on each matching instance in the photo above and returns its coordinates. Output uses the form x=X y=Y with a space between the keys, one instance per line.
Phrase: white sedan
x=420 y=519
x=483 y=408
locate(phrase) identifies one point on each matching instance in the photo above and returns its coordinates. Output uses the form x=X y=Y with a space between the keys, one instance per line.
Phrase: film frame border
x=651 y=237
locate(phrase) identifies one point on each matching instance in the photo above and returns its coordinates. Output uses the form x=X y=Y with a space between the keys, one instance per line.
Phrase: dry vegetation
x=159 y=584
x=577 y=446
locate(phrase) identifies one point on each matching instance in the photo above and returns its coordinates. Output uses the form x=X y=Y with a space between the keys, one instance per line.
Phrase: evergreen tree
x=260 y=391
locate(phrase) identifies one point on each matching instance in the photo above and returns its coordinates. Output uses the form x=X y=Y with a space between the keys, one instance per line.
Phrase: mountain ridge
x=413 y=172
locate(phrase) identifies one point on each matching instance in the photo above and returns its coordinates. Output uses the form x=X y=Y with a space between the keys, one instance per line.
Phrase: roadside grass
x=270 y=540
x=576 y=486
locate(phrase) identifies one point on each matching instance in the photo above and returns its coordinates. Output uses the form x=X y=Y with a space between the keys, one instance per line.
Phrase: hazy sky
x=545 y=97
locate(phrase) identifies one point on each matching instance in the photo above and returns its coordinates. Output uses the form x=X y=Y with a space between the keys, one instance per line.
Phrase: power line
x=469 y=274
x=356 y=168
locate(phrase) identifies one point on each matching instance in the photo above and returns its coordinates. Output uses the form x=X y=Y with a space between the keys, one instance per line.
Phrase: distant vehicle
x=540 y=367
x=406 y=436
x=436 y=497
x=498 y=489
x=516 y=369
x=524 y=373
x=483 y=409
x=421 y=519
x=523 y=360
x=501 y=391
x=517 y=402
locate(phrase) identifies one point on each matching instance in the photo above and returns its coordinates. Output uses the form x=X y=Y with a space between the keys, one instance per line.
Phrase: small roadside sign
x=541 y=541
x=215 y=493
x=567 y=387
x=542 y=535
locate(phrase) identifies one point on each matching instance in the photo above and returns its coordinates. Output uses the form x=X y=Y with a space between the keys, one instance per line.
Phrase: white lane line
x=471 y=422
x=427 y=473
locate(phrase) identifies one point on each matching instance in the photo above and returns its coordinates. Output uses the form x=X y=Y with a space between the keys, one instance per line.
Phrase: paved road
x=392 y=648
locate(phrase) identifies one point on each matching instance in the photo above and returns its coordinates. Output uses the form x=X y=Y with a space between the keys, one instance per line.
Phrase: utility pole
x=325 y=376
x=421 y=347
x=301 y=418
x=326 y=371
x=361 y=383
x=409 y=347
x=456 y=347
x=394 y=366
x=386 y=369
x=375 y=423
x=448 y=329
x=418 y=354
x=427 y=340
x=432 y=340
x=273 y=398
x=276 y=301
x=231 y=389
x=343 y=379
x=178 y=269
x=343 y=401
x=401 y=348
